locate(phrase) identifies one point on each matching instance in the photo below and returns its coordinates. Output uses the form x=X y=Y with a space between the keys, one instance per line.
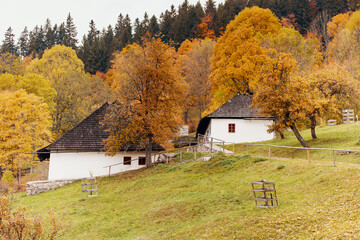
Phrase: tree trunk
x=298 y=136
x=312 y=126
x=282 y=136
x=148 y=149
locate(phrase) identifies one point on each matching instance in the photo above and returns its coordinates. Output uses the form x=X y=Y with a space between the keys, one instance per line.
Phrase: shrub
x=280 y=167
x=19 y=223
x=8 y=181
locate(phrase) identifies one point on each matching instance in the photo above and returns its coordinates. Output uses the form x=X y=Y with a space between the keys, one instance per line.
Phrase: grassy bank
x=212 y=200
x=345 y=136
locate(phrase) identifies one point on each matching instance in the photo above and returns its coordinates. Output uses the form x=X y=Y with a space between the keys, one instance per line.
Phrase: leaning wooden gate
x=89 y=187
x=264 y=194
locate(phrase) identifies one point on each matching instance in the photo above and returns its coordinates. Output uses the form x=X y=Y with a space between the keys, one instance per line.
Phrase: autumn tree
x=238 y=54
x=25 y=126
x=148 y=90
x=31 y=83
x=65 y=71
x=12 y=64
x=196 y=70
x=319 y=27
x=206 y=28
x=344 y=48
x=306 y=51
x=330 y=90
x=280 y=94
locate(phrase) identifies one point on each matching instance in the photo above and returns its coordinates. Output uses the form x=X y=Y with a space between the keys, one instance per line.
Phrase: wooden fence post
x=247 y=149
x=333 y=152
x=269 y=153
x=234 y=148
x=308 y=155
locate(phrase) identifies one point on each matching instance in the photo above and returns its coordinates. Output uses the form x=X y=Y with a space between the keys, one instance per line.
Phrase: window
x=127 y=160
x=141 y=160
x=231 y=127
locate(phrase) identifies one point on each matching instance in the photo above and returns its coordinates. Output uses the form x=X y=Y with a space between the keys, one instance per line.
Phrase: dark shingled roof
x=87 y=136
x=237 y=107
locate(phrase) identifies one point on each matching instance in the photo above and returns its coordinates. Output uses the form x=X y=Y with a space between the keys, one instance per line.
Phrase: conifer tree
x=49 y=34
x=123 y=32
x=154 y=28
x=60 y=34
x=9 y=42
x=70 y=33
x=166 y=22
x=23 y=43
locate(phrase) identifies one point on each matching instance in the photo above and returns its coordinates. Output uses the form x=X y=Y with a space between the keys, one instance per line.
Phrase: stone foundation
x=36 y=187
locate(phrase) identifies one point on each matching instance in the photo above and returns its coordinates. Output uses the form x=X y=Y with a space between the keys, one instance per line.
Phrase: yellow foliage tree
x=74 y=88
x=344 y=48
x=306 y=51
x=195 y=63
x=149 y=89
x=238 y=54
x=31 y=83
x=25 y=126
x=11 y=64
x=330 y=90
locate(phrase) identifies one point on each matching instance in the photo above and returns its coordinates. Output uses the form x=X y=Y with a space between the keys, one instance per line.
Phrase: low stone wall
x=36 y=187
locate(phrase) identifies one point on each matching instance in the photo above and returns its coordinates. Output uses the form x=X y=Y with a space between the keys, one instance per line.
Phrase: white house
x=80 y=152
x=236 y=122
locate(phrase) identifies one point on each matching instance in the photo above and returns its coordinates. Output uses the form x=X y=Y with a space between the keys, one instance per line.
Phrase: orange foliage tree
x=281 y=94
x=238 y=54
x=206 y=28
x=149 y=89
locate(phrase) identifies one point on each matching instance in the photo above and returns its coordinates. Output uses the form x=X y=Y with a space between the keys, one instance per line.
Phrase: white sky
x=21 y=13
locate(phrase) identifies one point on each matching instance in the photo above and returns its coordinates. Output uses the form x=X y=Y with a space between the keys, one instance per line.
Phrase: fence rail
x=300 y=148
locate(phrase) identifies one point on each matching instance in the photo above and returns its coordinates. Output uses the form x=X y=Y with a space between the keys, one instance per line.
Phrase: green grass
x=343 y=136
x=213 y=200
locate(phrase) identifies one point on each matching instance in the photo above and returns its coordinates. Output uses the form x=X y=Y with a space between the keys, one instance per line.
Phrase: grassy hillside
x=213 y=200
x=345 y=136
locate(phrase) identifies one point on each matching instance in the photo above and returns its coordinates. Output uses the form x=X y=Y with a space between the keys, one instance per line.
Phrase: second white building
x=236 y=122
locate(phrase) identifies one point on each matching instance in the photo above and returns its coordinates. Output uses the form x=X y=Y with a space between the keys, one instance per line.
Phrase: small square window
x=231 y=127
x=127 y=160
x=141 y=160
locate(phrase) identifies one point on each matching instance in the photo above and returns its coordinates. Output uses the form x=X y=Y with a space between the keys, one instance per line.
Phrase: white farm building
x=236 y=122
x=80 y=152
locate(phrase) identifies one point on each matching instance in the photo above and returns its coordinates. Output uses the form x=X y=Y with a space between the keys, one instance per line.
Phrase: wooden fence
x=301 y=148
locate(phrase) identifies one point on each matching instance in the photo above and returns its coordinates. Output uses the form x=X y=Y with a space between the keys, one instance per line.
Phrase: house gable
x=238 y=107
x=88 y=136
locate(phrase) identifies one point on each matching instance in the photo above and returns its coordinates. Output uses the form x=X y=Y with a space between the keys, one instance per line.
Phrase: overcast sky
x=21 y=13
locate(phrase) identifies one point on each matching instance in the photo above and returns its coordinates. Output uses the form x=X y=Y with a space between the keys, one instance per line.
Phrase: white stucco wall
x=245 y=130
x=83 y=164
